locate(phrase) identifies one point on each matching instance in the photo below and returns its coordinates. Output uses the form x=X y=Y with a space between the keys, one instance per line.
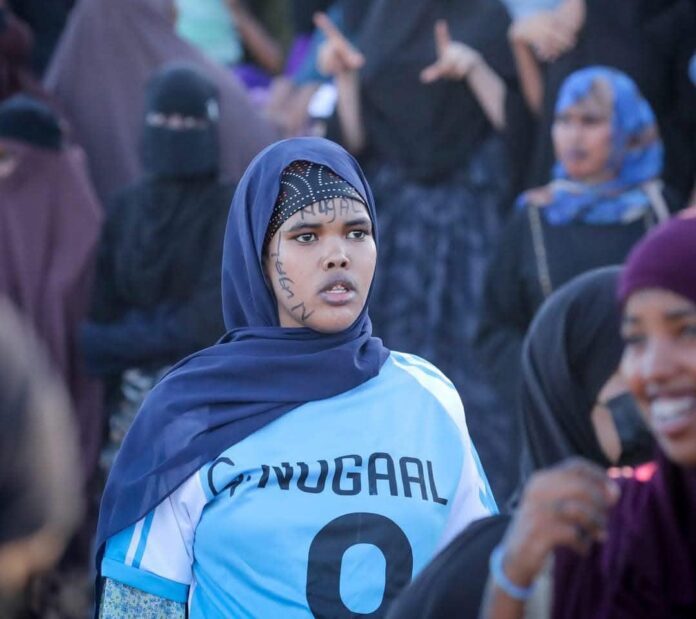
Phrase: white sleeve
x=156 y=553
x=474 y=498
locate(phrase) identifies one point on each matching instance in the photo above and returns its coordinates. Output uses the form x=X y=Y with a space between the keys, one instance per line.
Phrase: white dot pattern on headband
x=332 y=187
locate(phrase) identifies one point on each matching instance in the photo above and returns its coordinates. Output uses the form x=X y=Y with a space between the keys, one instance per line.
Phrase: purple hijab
x=50 y=221
x=109 y=50
x=647 y=567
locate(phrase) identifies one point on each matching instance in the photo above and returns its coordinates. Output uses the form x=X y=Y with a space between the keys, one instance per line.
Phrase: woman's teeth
x=669 y=410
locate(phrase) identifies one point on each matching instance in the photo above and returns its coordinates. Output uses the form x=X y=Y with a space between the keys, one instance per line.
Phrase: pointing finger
x=324 y=23
x=442 y=36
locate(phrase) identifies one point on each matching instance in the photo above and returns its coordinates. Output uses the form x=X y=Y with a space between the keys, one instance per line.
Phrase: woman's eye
x=357 y=234
x=591 y=121
x=688 y=331
x=307 y=237
x=632 y=340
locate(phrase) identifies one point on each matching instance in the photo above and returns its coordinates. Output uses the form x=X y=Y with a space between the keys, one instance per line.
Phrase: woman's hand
x=337 y=55
x=550 y=33
x=455 y=60
x=566 y=505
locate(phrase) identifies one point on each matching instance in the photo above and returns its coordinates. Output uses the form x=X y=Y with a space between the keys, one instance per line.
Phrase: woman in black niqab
x=157 y=294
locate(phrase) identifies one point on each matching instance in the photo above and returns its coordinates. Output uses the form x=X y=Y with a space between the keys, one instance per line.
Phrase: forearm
x=263 y=49
x=490 y=91
x=350 y=111
x=529 y=74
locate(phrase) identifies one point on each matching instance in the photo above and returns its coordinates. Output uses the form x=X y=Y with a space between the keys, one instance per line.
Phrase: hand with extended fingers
x=337 y=55
x=551 y=33
x=566 y=505
x=455 y=60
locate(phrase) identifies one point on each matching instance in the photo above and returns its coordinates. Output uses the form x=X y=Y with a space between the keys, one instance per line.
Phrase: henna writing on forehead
x=308 y=210
x=331 y=208
x=328 y=207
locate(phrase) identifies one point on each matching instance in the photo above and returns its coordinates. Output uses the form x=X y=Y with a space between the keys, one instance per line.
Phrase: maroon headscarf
x=647 y=567
x=108 y=52
x=50 y=221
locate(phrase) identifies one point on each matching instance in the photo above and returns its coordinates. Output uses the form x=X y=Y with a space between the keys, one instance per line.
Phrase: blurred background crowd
x=511 y=146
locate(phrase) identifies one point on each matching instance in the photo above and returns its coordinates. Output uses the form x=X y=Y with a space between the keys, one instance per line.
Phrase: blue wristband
x=495 y=565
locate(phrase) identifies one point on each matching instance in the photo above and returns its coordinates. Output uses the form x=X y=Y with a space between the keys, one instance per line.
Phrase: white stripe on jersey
x=135 y=540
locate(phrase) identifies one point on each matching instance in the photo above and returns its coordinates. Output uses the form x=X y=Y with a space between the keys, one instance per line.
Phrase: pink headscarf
x=50 y=222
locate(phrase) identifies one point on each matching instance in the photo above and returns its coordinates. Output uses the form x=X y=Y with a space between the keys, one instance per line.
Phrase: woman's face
x=659 y=364
x=582 y=139
x=320 y=264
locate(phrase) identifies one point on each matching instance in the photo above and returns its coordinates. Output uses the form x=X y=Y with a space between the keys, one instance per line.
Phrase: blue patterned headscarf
x=257 y=372
x=636 y=157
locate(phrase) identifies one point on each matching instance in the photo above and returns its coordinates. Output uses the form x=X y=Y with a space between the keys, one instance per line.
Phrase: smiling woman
x=637 y=537
x=289 y=456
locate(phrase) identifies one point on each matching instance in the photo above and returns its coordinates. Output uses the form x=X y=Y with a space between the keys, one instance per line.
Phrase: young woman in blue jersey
x=297 y=468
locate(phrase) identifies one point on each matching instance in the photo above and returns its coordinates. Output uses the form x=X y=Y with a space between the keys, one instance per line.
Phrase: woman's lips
x=672 y=416
x=338 y=294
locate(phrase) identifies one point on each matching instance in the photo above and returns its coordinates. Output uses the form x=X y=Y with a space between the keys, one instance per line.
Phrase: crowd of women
x=186 y=350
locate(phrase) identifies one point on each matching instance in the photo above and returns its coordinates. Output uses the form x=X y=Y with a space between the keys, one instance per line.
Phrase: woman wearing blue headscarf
x=605 y=193
x=297 y=468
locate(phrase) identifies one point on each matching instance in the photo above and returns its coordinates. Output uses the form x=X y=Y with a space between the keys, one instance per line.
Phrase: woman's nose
x=336 y=257
x=658 y=362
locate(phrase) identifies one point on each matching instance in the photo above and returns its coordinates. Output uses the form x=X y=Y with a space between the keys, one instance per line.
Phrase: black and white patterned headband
x=302 y=184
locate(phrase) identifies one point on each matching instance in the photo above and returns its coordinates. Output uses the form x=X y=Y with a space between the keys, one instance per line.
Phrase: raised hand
x=337 y=55
x=566 y=505
x=551 y=33
x=455 y=60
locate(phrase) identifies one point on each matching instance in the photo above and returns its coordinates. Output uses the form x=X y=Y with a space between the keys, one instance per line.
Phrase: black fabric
x=430 y=130
x=176 y=151
x=512 y=289
x=453 y=584
x=27 y=120
x=157 y=292
x=47 y=20
x=649 y=40
x=573 y=347
x=179 y=89
x=303 y=13
x=637 y=444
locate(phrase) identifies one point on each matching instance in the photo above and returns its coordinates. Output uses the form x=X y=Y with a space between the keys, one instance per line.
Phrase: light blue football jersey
x=327 y=512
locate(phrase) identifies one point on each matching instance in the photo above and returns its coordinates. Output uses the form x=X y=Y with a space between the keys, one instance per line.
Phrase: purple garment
x=665 y=258
x=107 y=54
x=50 y=221
x=298 y=52
x=646 y=569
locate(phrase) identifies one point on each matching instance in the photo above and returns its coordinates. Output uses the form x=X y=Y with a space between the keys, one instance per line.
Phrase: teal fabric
x=209 y=26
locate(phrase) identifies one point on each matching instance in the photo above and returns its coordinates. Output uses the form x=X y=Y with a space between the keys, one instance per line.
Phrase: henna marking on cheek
x=283 y=280
x=305 y=314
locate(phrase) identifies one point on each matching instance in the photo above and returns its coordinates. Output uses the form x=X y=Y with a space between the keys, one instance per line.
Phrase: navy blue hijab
x=257 y=372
